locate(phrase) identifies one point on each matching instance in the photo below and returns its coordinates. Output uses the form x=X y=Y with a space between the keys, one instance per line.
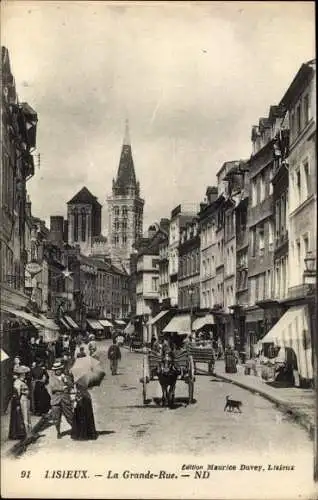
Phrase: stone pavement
x=299 y=403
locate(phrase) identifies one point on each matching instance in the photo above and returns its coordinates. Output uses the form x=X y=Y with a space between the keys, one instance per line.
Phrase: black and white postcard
x=158 y=250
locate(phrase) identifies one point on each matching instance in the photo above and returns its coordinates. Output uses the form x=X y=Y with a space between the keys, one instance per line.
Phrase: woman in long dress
x=83 y=427
x=41 y=398
x=20 y=418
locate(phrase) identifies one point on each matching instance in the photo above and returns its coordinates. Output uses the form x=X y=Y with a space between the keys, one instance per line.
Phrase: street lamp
x=310 y=269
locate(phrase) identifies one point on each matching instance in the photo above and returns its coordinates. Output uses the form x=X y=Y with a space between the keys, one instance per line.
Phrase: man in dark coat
x=114 y=355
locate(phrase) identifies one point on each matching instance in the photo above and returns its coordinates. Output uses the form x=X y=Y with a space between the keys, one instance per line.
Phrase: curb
x=301 y=418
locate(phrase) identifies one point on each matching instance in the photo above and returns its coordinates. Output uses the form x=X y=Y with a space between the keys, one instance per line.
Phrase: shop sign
x=33 y=268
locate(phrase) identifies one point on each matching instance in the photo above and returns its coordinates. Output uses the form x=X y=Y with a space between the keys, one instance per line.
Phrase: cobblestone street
x=126 y=425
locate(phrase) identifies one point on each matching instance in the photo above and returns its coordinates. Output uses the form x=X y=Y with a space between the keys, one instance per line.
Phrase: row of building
x=53 y=279
x=242 y=264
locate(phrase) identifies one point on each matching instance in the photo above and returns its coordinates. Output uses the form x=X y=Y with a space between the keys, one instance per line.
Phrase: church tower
x=125 y=207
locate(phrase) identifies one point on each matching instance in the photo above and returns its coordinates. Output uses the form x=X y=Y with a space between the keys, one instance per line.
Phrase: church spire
x=126 y=177
x=127 y=135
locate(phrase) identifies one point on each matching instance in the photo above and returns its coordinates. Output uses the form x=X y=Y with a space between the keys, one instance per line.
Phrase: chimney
x=164 y=225
x=212 y=194
x=152 y=231
x=56 y=228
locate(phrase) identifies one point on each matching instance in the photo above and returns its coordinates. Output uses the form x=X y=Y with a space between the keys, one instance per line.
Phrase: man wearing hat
x=60 y=397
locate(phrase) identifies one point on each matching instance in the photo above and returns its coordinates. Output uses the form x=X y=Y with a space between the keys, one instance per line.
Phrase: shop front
x=254 y=330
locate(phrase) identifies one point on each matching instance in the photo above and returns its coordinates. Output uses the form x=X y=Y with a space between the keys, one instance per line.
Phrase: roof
x=84 y=196
x=126 y=176
x=305 y=72
x=226 y=164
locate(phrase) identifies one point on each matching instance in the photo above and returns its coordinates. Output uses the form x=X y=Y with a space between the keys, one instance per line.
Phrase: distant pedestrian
x=114 y=355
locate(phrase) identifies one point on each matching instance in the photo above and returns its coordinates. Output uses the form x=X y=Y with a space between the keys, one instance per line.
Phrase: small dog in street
x=232 y=404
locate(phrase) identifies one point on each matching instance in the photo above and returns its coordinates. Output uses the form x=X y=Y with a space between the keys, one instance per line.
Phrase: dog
x=232 y=404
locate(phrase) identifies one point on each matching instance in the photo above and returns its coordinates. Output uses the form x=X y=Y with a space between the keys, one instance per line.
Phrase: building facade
x=180 y=215
x=125 y=208
x=189 y=266
x=261 y=227
x=18 y=141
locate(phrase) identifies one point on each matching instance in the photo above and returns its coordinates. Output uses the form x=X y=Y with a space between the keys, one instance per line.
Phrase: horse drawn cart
x=202 y=355
x=151 y=372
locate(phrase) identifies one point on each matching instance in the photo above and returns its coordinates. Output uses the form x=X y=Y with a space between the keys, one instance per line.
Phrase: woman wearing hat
x=20 y=418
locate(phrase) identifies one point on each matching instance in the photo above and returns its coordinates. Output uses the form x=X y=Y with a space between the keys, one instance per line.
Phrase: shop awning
x=179 y=324
x=199 y=323
x=39 y=322
x=105 y=323
x=160 y=315
x=4 y=355
x=71 y=322
x=129 y=328
x=120 y=322
x=94 y=324
x=254 y=315
x=293 y=331
x=66 y=325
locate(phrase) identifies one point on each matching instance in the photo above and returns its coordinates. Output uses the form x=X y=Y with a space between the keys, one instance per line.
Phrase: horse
x=168 y=372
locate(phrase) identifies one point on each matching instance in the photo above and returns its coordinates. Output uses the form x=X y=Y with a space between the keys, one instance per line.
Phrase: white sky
x=192 y=78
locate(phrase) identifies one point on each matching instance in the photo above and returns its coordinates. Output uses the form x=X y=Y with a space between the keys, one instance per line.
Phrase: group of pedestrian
x=46 y=387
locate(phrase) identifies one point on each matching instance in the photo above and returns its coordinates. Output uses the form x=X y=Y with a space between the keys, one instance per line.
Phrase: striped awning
x=66 y=325
x=71 y=322
x=94 y=324
x=179 y=324
x=201 y=322
x=156 y=318
x=105 y=323
x=43 y=322
x=293 y=331
x=120 y=322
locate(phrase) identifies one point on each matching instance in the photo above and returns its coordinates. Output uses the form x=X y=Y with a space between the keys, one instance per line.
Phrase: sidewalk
x=299 y=403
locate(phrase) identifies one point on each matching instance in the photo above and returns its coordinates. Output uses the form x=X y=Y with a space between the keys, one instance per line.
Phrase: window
x=154 y=283
x=306 y=180
x=306 y=244
x=306 y=109
x=270 y=236
x=116 y=239
x=292 y=124
x=261 y=240
x=298 y=185
x=116 y=225
x=298 y=119
x=83 y=226
x=253 y=241
x=254 y=193
x=116 y=211
x=124 y=238
x=75 y=229
x=282 y=214
x=124 y=211
x=262 y=187
x=271 y=175
x=252 y=291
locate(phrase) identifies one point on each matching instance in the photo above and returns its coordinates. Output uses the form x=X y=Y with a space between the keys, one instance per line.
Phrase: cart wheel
x=191 y=391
